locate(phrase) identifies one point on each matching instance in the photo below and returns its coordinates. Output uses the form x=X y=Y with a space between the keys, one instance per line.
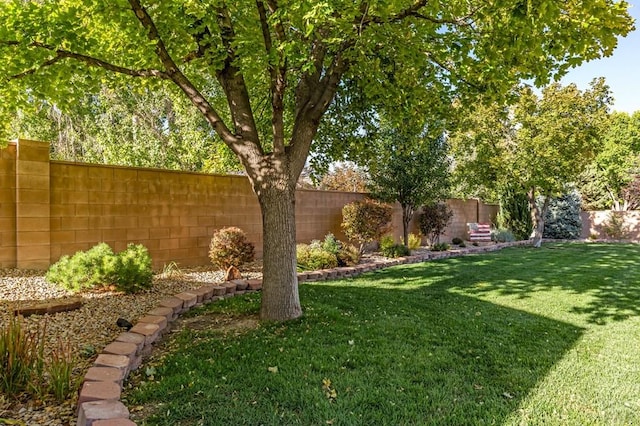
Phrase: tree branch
x=233 y=84
x=277 y=72
x=175 y=74
x=414 y=11
x=61 y=54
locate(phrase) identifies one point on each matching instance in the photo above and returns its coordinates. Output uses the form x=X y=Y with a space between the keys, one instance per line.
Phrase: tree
x=546 y=142
x=149 y=129
x=409 y=167
x=366 y=221
x=345 y=177
x=263 y=73
x=609 y=179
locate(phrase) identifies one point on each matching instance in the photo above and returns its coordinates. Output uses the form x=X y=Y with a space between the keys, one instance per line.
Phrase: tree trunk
x=407 y=215
x=537 y=216
x=280 y=299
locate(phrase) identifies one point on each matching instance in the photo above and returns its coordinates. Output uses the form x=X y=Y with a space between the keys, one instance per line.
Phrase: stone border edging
x=99 y=397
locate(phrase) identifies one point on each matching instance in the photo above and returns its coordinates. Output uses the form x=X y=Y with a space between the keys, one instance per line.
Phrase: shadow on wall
x=594 y=224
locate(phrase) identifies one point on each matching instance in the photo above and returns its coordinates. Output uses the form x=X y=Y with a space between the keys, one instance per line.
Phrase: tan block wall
x=8 y=206
x=32 y=205
x=173 y=214
x=53 y=208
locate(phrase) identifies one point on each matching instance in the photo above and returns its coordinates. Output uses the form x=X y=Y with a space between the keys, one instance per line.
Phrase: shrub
x=414 y=242
x=562 y=219
x=133 y=269
x=348 y=255
x=229 y=247
x=386 y=241
x=331 y=244
x=312 y=257
x=85 y=269
x=615 y=227
x=129 y=270
x=325 y=254
x=365 y=221
x=433 y=221
x=395 y=250
x=502 y=236
x=440 y=247
x=457 y=241
x=515 y=212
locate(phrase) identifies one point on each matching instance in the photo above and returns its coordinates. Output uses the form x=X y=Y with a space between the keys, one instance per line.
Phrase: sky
x=621 y=70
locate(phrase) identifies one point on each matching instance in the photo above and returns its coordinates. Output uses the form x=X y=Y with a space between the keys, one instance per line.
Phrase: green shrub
x=86 y=269
x=562 y=219
x=414 y=242
x=395 y=250
x=129 y=270
x=325 y=254
x=230 y=247
x=440 y=247
x=615 y=227
x=348 y=255
x=365 y=221
x=133 y=269
x=502 y=236
x=433 y=221
x=457 y=241
x=312 y=257
x=386 y=241
x=331 y=244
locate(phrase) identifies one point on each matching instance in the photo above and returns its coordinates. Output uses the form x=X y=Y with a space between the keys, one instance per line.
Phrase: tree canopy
x=263 y=73
x=610 y=181
x=411 y=167
x=540 y=144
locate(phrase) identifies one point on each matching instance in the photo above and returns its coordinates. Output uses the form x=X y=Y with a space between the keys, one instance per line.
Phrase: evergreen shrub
x=129 y=271
x=562 y=219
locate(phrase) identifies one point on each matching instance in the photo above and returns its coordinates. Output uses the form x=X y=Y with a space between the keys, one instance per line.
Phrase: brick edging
x=99 y=397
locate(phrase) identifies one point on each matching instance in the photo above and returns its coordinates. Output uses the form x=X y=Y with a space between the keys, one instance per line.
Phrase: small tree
x=434 y=220
x=410 y=167
x=365 y=221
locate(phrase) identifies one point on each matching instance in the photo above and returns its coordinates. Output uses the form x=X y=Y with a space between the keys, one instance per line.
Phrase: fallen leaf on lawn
x=507 y=395
x=272 y=369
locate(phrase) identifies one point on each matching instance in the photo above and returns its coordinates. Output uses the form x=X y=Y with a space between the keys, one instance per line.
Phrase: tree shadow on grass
x=605 y=276
x=366 y=355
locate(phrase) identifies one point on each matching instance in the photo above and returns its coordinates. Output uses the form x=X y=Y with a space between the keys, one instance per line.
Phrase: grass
x=544 y=336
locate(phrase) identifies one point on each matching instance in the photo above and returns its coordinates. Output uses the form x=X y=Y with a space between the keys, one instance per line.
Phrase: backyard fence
x=52 y=208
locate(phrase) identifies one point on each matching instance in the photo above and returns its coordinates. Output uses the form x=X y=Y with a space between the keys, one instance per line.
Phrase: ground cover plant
x=522 y=336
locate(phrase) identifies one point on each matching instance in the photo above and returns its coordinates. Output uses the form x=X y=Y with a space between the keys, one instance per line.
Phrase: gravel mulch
x=87 y=330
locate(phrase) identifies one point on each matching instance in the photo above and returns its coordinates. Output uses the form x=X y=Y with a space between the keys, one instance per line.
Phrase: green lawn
x=523 y=336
